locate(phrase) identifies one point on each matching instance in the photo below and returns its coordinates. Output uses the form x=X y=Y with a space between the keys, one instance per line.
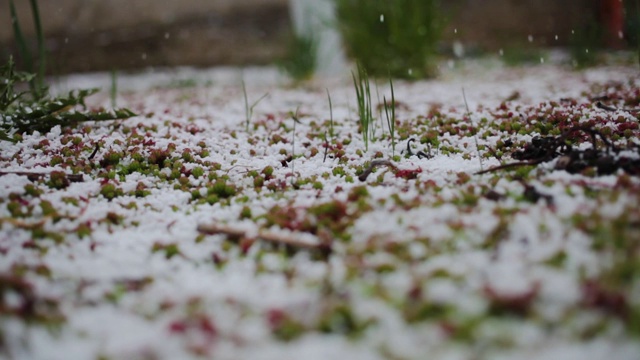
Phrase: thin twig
x=420 y=154
x=602 y=106
x=409 y=152
x=36 y=175
x=95 y=151
x=293 y=145
x=508 y=166
x=373 y=165
x=326 y=147
x=265 y=235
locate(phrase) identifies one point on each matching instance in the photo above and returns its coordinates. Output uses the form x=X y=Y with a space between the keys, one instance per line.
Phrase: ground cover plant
x=212 y=225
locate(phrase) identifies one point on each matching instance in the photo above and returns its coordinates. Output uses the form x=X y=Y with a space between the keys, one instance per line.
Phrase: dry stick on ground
x=558 y=142
x=508 y=166
x=373 y=165
x=266 y=235
x=95 y=151
x=36 y=175
x=602 y=106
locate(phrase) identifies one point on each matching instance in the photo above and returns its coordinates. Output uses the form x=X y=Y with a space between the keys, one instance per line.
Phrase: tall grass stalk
x=475 y=134
x=41 y=48
x=114 y=87
x=296 y=119
x=22 y=113
x=36 y=82
x=638 y=29
x=363 y=96
x=331 y=131
x=391 y=120
x=249 y=109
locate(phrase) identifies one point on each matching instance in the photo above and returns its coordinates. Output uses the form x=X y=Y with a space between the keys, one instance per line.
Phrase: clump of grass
x=35 y=110
x=363 y=96
x=300 y=62
x=585 y=44
x=398 y=37
x=36 y=83
x=26 y=112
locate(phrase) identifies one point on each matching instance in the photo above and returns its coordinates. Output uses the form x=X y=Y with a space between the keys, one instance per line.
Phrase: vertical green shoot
x=475 y=134
x=114 y=87
x=331 y=132
x=249 y=109
x=638 y=28
x=246 y=105
x=295 y=117
x=25 y=52
x=41 y=49
x=36 y=84
x=391 y=120
x=363 y=96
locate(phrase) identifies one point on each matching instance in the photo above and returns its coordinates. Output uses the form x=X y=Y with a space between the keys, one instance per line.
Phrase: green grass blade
x=41 y=50
x=114 y=87
x=331 y=133
x=25 y=53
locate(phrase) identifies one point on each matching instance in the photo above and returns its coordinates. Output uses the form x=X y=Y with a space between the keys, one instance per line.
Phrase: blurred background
x=103 y=35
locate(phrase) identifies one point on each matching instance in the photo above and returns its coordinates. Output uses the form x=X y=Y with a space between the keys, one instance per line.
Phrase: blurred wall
x=495 y=24
x=89 y=35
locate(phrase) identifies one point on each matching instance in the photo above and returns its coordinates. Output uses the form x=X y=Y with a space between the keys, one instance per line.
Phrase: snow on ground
x=423 y=264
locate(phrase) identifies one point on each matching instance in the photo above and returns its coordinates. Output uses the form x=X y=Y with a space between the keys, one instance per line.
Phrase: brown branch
x=265 y=235
x=373 y=165
x=602 y=106
x=508 y=166
x=36 y=175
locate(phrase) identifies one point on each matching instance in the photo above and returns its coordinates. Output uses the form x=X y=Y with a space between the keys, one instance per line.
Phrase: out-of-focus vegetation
x=397 y=38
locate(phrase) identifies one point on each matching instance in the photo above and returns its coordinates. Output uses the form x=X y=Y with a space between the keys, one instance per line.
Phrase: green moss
x=197 y=172
x=245 y=213
x=110 y=191
x=340 y=319
x=221 y=189
x=58 y=180
x=56 y=160
x=287 y=329
x=212 y=199
x=48 y=209
x=258 y=182
x=84 y=230
x=111 y=158
x=16 y=210
x=32 y=190
x=170 y=250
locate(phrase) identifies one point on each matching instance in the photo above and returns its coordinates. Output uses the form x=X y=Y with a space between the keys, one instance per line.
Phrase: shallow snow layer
x=414 y=276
